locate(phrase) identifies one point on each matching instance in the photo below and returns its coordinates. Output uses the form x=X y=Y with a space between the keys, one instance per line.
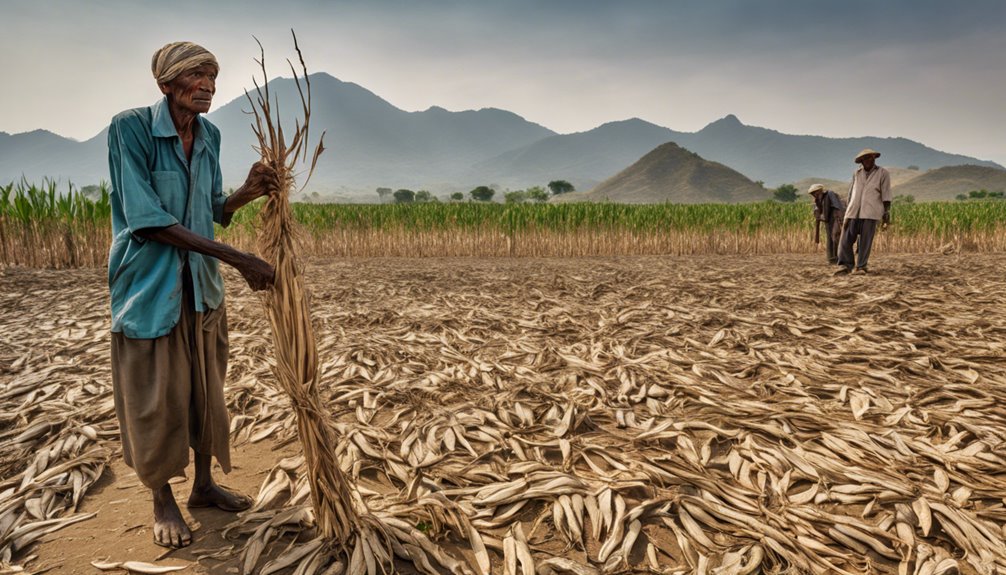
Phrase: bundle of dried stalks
x=287 y=308
x=347 y=530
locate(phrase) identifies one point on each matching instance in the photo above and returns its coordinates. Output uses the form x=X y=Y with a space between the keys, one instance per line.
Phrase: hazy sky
x=933 y=71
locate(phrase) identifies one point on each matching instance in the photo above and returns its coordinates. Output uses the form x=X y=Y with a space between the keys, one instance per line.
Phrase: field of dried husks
x=704 y=414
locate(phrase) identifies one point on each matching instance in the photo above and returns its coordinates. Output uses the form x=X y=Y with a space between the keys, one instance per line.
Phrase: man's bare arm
x=258 y=273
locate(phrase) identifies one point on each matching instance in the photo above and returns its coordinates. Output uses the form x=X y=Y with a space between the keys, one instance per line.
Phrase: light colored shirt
x=868 y=193
x=154 y=186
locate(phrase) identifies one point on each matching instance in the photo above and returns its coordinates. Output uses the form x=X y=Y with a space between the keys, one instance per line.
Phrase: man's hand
x=262 y=180
x=887 y=217
x=257 y=272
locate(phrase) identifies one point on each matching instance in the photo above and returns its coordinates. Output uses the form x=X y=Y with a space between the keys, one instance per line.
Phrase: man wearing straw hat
x=169 y=325
x=869 y=203
x=828 y=208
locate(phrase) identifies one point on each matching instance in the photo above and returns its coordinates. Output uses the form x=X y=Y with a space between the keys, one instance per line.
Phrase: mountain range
x=370 y=143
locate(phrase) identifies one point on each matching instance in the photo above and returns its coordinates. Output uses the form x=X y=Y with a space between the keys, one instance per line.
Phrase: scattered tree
x=536 y=194
x=561 y=187
x=423 y=196
x=482 y=194
x=514 y=197
x=404 y=196
x=982 y=194
x=384 y=195
x=913 y=168
x=457 y=197
x=785 y=193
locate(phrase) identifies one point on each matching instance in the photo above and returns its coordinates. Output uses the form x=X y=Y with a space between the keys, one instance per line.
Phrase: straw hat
x=866 y=152
x=815 y=188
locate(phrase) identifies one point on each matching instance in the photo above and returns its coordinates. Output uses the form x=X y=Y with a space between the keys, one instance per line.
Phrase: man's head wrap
x=177 y=57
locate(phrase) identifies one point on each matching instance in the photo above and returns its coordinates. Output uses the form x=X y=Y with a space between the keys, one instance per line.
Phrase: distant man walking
x=830 y=209
x=869 y=203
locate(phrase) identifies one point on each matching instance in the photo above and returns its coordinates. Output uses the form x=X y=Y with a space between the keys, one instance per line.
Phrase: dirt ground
x=121 y=530
x=773 y=346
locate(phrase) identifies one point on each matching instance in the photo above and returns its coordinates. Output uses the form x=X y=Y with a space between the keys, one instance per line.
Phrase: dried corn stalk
x=289 y=317
x=347 y=530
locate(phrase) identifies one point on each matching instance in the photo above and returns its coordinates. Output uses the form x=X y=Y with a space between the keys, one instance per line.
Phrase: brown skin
x=868 y=162
x=189 y=95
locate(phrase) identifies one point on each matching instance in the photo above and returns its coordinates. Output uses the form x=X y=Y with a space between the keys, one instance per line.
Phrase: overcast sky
x=933 y=71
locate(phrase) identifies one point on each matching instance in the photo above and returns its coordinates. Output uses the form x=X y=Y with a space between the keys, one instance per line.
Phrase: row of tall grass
x=45 y=226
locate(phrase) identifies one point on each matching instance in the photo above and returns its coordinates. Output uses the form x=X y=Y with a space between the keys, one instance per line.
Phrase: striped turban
x=177 y=57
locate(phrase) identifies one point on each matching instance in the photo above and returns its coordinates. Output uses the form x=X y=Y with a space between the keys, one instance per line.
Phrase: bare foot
x=213 y=495
x=170 y=529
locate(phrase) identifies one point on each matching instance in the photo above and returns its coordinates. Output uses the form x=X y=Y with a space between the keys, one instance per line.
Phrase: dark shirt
x=826 y=207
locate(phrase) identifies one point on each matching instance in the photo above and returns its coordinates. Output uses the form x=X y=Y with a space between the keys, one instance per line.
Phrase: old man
x=869 y=204
x=169 y=325
x=829 y=209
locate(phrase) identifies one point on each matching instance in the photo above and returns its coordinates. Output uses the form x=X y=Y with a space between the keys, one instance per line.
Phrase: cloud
x=931 y=69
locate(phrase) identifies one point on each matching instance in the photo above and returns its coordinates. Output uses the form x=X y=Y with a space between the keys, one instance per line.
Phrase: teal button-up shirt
x=153 y=186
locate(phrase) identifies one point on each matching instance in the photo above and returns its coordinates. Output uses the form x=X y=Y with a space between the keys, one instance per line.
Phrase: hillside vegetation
x=946 y=183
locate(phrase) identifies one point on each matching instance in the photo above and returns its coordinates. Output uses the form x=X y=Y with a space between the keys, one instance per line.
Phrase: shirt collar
x=162 y=126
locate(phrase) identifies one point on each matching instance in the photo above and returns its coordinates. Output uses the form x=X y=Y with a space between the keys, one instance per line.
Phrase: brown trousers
x=169 y=395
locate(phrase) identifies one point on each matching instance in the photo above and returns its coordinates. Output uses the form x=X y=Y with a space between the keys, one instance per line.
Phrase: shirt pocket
x=171 y=191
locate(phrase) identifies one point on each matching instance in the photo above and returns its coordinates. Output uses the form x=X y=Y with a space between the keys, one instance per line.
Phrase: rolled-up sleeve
x=128 y=148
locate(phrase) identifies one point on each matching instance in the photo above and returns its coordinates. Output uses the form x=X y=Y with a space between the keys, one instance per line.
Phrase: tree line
x=982 y=194
x=789 y=193
x=534 y=194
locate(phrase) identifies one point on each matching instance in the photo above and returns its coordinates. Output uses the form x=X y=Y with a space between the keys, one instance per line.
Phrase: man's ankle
x=163 y=492
x=204 y=485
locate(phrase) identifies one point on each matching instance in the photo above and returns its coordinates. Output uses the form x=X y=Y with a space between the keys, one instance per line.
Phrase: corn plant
x=51 y=227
